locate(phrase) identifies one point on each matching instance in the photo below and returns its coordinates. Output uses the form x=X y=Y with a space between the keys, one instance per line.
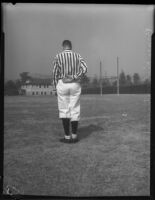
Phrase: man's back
x=69 y=63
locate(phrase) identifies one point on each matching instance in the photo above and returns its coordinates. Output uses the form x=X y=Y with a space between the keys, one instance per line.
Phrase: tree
x=128 y=80
x=95 y=81
x=85 y=80
x=136 y=79
x=147 y=81
x=18 y=83
x=114 y=83
x=24 y=77
x=9 y=84
x=106 y=82
x=10 y=88
x=122 y=79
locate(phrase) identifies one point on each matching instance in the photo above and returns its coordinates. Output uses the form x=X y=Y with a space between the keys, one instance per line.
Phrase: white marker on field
x=95 y=117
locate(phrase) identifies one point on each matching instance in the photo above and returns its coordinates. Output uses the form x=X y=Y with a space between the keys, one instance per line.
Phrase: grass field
x=112 y=157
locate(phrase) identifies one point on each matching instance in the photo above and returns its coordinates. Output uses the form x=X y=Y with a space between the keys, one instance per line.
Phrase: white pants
x=68 y=95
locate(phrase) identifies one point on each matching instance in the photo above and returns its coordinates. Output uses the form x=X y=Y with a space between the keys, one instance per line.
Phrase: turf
x=112 y=157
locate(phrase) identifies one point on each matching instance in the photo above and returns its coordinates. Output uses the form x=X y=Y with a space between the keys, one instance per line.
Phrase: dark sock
x=66 y=125
x=74 y=125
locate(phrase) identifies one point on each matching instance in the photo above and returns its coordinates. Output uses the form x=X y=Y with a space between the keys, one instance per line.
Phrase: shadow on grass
x=85 y=131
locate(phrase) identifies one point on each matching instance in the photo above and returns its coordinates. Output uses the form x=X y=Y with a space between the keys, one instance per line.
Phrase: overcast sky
x=34 y=34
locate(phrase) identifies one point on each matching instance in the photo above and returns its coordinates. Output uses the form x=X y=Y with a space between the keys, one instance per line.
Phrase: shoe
x=75 y=140
x=68 y=141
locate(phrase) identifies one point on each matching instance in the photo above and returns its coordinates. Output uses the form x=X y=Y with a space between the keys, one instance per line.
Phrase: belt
x=69 y=80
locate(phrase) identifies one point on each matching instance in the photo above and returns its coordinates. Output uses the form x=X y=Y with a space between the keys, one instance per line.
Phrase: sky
x=99 y=32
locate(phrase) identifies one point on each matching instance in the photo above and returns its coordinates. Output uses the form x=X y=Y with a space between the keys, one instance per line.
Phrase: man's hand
x=55 y=92
x=77 y=80
x=68 y=79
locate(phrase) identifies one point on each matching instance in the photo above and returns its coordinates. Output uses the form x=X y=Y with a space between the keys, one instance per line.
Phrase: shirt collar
x=67 y=50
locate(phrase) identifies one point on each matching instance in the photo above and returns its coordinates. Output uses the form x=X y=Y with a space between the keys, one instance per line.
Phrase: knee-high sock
x=74 y=125
x=66 y=125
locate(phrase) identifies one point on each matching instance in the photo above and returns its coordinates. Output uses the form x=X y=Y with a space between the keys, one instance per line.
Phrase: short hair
x=67 y=43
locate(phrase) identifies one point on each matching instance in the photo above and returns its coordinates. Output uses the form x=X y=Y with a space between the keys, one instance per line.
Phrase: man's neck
x=67 y=48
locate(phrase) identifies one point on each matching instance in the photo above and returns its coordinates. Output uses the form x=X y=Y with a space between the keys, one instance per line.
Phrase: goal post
x=117 y=75
x=101 y=89
x=109 y=78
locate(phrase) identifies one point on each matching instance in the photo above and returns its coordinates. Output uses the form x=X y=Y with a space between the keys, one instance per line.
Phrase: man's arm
x=55 y=72
x=82 y=70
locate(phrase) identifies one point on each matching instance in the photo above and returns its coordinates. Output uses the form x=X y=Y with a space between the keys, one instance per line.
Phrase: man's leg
x=74 y=125
x=75 y=108
x=63 y=106
x=66 y=126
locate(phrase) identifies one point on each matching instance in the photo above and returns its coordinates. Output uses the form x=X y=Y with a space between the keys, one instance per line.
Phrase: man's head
x=66 y=44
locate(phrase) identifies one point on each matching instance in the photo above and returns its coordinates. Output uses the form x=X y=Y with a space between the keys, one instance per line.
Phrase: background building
x=37 y=87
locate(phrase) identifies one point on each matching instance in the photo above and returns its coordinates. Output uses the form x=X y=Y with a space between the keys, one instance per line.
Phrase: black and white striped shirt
x=68 y=63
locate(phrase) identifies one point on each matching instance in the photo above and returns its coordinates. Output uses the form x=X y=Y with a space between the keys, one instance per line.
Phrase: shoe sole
x=69 y=141
x=75 y=140
x=65 y=141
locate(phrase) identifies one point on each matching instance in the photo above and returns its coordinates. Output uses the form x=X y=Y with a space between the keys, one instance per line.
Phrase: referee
x=69 y=67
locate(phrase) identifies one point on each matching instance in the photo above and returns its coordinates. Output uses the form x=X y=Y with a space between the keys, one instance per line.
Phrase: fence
x=133 y=89
x=86 y=89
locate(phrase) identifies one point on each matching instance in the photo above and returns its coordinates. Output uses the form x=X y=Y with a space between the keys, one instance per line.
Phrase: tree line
x=124 y=80
x=13 y=87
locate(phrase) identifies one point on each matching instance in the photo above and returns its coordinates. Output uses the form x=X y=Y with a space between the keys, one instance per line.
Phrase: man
x=69 y=67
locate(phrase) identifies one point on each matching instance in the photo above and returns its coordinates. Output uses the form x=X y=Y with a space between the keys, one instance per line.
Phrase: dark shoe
x=75 y=140
x=68 y=141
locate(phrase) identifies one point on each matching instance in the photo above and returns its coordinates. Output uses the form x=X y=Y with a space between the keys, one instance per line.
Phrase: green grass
x=112 y=157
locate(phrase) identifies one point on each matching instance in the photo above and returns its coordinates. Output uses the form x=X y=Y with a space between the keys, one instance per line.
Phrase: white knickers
x=69 y=100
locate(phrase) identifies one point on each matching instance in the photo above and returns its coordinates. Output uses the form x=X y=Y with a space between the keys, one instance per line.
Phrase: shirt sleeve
x=56 y=72
x=82 y=68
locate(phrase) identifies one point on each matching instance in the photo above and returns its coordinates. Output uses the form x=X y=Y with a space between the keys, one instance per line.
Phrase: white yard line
x=95 y=117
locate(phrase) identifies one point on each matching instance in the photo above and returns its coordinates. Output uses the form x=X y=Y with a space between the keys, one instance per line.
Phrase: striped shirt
x=68 y=63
